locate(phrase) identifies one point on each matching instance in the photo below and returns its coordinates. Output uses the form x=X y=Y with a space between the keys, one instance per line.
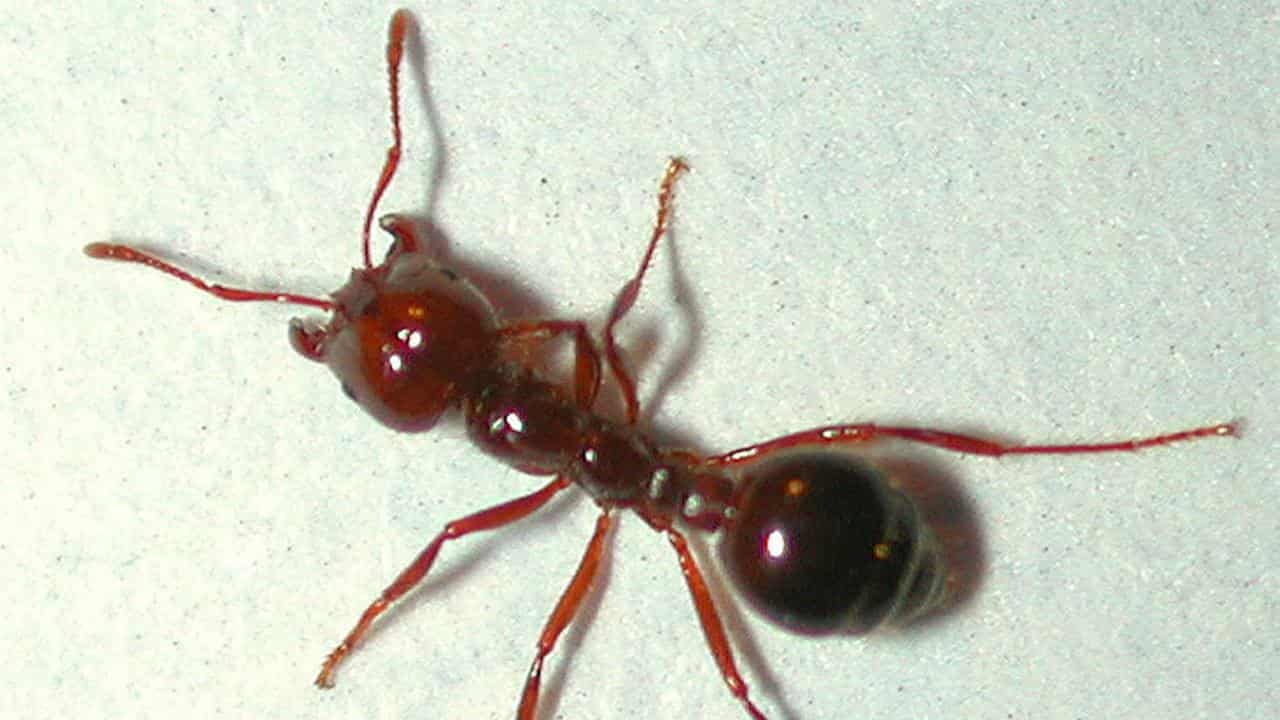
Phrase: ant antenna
x=124 y=253
x=395 y=51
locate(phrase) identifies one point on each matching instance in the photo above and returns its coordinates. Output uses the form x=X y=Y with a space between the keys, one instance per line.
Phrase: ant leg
x=586 y=366
x=712 y=627
x=566 y=608
x=868 y=432
x=400 y=22
x=626 y=297
x=494 y=517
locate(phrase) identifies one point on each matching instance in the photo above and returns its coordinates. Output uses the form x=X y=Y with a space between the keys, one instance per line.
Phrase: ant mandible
x=816 y=540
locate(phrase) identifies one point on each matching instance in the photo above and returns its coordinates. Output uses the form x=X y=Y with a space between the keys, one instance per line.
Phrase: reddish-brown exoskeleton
x=817 y=540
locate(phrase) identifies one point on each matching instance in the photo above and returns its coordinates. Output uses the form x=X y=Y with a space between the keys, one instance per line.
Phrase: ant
x=817 y=541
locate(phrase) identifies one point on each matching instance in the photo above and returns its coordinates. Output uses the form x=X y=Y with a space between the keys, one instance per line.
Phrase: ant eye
x=821 y=543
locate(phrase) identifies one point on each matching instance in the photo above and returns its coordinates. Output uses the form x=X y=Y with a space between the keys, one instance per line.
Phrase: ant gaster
x=818 y=541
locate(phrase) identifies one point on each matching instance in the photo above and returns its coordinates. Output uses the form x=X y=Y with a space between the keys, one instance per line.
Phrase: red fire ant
x=818 y=541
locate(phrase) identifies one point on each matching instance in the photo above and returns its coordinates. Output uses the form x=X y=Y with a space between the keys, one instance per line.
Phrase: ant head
x=820 y=542
x=406 y=339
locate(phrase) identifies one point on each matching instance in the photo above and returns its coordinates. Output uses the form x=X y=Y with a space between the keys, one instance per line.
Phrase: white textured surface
x=1053 y=224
